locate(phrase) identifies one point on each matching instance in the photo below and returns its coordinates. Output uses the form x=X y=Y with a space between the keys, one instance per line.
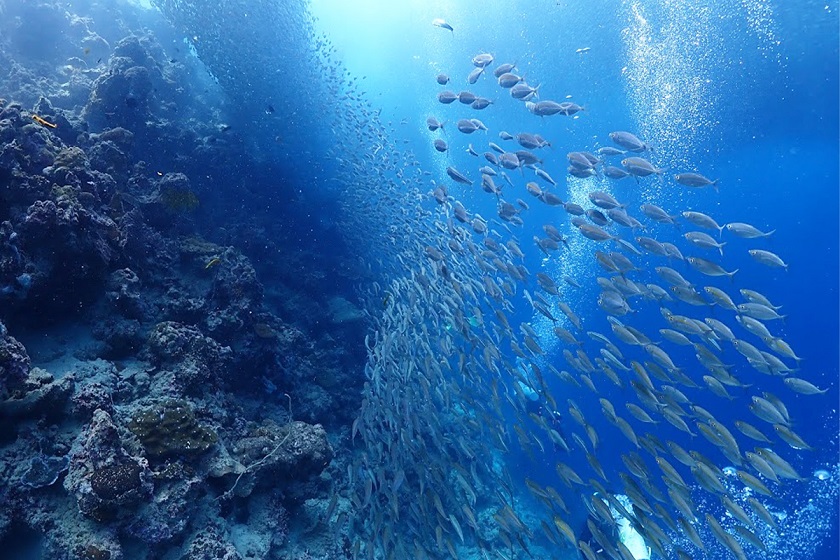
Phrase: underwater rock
x=296 y=451
x=167 y=516
x=209 y=543
x=72 y=168
x=13 y=279
x=342 y=311
x=72 y=245
x=171 y=342
x=27 y=148
x=123 y=293
x=14 y=363
x=122 y=337
x=106 y=157
x=90 y=397
x=192 y=362
x=143 y=248
x=104 y=479
x=39 y=395
x=44 y=471
x=170 y=430
x=121 y=96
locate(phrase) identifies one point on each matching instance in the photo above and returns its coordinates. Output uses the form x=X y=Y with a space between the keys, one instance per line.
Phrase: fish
x=754 y=483
x=628 y=141
x=615 y=172
x=508 y=80
x=704 y=241
x=446 y=97
x=523 y=91
x=727 y=540
x=709 y=268
x=473 y=76
x=442 y=79
x=594 y=232
x=457 y=176
x=803 y=386
x=466 y=97
x=44 y=122
x=657 y=214
x=782 y=467
x=762 y=512
x=439 y=22
x=433 y=124
x=750 y=431
x=466 y=126
x=482 y=60
x=747 y=231
x=639 y=167
x=542 y=174
x=440 y=145
x=652 y=246
x=768 y=258
x=702 y=220
x=790 y=437
x=758 y=311
x=765 y=410
x=503 y=68
x=755 y=297
x=695 y=180
x=549 y=108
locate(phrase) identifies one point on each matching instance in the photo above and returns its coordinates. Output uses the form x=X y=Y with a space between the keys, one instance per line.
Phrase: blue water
x=743 y=92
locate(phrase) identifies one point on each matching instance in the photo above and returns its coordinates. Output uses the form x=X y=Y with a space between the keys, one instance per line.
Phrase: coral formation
x=143 y=359
x=170 y=429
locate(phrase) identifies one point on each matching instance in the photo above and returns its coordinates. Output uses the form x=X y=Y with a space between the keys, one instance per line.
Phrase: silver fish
x=767 y=258
x=628 y=141
x=702 y=220
x=709 y=268
x=704 y=241
x=639 y=167
x=746 y=230
x=694 y=180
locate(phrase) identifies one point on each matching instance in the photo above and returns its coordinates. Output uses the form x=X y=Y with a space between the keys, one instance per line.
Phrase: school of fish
x=452 y=375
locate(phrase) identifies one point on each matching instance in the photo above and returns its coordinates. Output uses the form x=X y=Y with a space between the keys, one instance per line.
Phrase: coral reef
x=171 y=430
x=157 y=319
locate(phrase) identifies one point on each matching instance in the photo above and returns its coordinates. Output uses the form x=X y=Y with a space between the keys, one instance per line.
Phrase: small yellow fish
x=212 y=262
x=44 y=122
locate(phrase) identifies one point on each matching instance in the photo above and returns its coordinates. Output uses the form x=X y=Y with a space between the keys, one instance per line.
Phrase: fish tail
x=720 y=248
x=769 y=233
x=732 y=275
